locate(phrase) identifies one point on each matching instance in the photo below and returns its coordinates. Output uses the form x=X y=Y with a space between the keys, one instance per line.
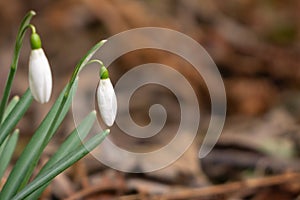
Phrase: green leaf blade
x=69 y=145
x=10 y=106
x=15 y=115
x=7 y=152
x=61 y=165
x=24 y=167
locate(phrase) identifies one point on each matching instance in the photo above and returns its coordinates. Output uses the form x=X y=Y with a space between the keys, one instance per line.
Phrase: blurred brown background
x=256 y=46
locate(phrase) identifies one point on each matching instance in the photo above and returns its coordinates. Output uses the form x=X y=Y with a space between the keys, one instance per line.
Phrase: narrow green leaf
x=84 y=60
x=21 y=173
x=15 y=115
x=69 y=145
x=45 y=133
x=19 y=41
x=8 y=151
x=10 y=106
x=3 y=145
x=74 y=140
x=61 y=165
x=24 y=167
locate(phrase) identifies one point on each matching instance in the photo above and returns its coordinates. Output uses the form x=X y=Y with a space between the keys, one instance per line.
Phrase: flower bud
x=106 y=97
x=40 y=78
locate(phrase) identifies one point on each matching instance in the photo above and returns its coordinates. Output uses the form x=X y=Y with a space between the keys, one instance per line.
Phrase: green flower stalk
x=13 y=68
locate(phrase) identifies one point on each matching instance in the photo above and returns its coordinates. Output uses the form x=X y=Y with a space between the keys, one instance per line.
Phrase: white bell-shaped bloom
x=40 y=77
x=107 y=101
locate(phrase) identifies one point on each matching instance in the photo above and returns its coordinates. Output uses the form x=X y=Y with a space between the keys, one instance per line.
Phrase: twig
x=232 y=187
x=222 y=189
x=96 y=189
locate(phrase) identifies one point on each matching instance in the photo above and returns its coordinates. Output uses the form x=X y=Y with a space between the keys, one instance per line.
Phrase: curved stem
x=15 y=60
x=83 y=62
x=95 y=61
x=32 y=27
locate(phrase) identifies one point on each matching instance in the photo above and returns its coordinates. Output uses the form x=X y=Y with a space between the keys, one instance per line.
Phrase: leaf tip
x=17 y=131
x=16 y=98
x=32 y=12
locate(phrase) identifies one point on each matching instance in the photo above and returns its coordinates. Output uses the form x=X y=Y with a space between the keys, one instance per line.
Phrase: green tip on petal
x=104 y=73
x=35 y=41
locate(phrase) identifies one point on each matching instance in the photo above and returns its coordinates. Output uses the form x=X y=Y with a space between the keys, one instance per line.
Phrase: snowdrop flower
x=40 y=78
x=106 y=97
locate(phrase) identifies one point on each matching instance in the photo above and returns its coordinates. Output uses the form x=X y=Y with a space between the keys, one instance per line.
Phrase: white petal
x=107 y=101
x=40 y=78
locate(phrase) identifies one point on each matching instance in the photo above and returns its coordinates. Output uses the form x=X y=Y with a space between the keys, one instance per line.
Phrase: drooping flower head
x=40 y=77
x=106 y=97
